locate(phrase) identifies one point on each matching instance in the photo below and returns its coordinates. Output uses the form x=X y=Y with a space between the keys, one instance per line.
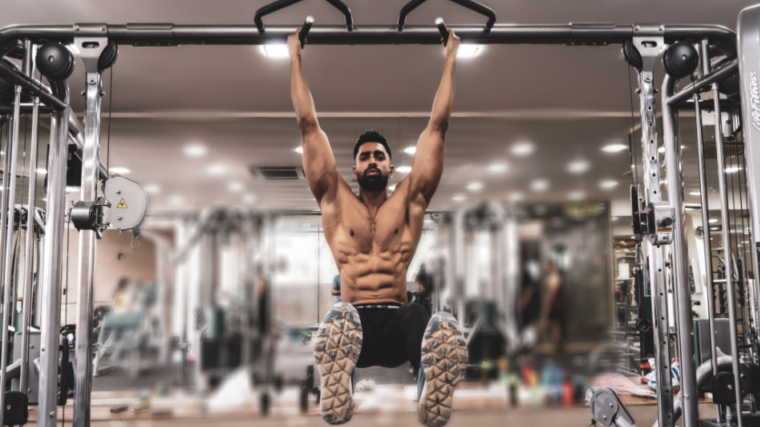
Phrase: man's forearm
x=444 y=98
x=299 y=93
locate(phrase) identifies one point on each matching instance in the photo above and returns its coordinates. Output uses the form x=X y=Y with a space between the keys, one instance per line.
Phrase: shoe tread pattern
x=336 y=351
x=444 y=360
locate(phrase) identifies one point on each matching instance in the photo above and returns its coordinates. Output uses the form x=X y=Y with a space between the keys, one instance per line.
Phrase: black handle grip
x=443 y=30
x=305 y=30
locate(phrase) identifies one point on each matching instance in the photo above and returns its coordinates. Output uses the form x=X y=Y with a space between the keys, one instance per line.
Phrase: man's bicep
x=319 y=164
x=427 y=165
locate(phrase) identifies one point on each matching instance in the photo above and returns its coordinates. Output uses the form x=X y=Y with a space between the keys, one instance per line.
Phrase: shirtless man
x=373 y=238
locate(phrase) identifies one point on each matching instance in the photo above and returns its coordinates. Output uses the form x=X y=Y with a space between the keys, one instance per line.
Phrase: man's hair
x=371 y=135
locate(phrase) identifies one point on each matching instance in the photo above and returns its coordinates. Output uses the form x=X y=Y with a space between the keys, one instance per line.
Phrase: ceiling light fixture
x=249 y=198
x=522 y=149
x=195 y=150
x=475 y=186
x=614 y=148
x=467 y=51
x=578 y=167
x=298 y=150
x=608 y=184
x=152 y=189
x=235 y=186
x=539 y=185
x=410 y=150
x=120 y=170
x=459 y=198
x=498 y=168
x=275 y=50
x=403 y=169
x=217 y=169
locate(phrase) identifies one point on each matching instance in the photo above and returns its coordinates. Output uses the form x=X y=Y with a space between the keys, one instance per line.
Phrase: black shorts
x=392 y=335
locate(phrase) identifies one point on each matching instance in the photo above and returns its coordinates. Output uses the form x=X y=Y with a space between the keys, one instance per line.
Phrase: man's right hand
x=294 y=44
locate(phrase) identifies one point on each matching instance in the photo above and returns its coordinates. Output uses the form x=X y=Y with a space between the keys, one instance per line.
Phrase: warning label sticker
x=122 y=204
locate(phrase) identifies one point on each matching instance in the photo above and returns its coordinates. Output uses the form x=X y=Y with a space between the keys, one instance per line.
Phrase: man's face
x=372 y=167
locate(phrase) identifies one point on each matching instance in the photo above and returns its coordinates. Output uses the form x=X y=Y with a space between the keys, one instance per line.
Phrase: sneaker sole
x=336 y=351
x=444 y=359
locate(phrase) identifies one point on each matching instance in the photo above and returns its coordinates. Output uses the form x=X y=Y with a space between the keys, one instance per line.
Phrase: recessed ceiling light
x=195 y=150
x=475 y=186
x=403 y=169
x=522 y=149
x=298 y=150
x=120 y=170
x=576 y=195
x=459 y=198
x=235 y=186
x=275 y=50
x=249 y=198
x=152 y=189
x=633 y=237
x=41 y=171
x=608 y=183
x=539 y=185
x=578 y=166
x=516 y=196
x=410 y=150
x=498 y=168
x=469 y=50
x=217 y=169
x=712 y=221
x=733 y=169
x=614 y=148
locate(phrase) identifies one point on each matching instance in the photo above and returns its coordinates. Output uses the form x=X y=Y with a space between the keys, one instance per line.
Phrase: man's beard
x=372 y=183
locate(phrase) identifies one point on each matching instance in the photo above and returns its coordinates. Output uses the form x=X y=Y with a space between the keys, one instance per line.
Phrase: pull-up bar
x=167 y=34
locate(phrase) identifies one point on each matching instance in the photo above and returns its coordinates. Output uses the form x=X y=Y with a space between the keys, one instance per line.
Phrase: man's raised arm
x=427 y=165
x=318 y=159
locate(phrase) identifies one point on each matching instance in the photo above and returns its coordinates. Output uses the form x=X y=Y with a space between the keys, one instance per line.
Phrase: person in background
x=336 y=287
x=121 y=294
x=553 y=310
x=424 y=296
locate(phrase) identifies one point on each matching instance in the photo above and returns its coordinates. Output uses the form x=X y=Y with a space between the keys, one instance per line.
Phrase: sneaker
x=336 y=351
x=444 y=359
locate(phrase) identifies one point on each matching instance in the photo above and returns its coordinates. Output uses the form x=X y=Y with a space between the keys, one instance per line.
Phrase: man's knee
x=416 y=311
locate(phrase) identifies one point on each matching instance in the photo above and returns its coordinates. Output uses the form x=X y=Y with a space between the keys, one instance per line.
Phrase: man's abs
x=365 y=286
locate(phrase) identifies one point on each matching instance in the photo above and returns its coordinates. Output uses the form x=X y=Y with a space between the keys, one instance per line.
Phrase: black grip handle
x=305 y=28
x=443 y=30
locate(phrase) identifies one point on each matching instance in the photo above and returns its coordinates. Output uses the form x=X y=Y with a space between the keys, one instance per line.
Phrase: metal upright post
x=29 y=238
x=680 y=263
x=748 y=45
x=706 y=221
x=51 y=277
x=727 y=252
x=90 y=48
x=649 y=42
x=9 y=187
